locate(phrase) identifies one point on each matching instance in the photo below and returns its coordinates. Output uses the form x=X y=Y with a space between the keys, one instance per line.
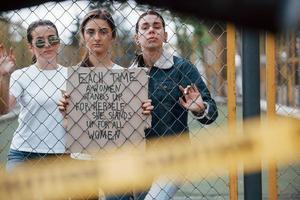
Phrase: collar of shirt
x=165 y=61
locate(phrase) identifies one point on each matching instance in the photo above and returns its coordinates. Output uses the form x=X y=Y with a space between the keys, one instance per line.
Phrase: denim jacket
x=168 y=116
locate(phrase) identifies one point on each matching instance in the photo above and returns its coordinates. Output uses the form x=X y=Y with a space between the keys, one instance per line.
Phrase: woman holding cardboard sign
x=175 y=87
x=98 y=32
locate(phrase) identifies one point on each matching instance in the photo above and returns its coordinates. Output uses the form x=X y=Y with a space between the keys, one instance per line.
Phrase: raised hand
x=7 y=61
x=191 y=98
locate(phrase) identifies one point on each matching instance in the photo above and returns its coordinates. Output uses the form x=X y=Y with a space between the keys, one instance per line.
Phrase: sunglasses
x=52 y=39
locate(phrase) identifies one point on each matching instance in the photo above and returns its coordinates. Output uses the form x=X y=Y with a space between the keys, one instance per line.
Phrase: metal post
x=271 y=99
x=251 y=100
x=231 y=105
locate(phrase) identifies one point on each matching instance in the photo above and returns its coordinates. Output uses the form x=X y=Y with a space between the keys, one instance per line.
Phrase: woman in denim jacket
x=175 y=87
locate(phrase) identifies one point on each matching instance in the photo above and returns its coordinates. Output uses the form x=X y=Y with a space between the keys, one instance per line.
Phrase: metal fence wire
x=203 y=42
x=287 y=76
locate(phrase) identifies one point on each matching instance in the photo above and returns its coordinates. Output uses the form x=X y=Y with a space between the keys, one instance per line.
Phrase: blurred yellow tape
x=275 y=141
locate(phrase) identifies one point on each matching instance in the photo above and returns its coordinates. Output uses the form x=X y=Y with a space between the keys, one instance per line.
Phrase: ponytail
x=85 y=62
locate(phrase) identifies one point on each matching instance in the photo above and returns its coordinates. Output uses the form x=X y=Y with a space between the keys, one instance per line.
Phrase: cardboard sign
x=105 y=109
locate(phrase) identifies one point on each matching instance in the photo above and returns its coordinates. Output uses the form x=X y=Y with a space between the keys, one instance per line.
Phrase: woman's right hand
x=7 y=61
x=63 y=103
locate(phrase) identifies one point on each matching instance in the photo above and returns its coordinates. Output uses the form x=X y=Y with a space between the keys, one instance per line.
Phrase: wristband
x=203 y=113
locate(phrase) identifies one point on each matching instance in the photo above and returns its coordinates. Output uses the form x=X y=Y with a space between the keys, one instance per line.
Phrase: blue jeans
x=15 y=158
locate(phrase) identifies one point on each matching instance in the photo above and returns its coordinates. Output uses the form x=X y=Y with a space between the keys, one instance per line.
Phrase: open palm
x=7 y=61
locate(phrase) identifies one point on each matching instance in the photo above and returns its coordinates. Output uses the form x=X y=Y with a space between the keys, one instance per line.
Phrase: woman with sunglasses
x=36 y=89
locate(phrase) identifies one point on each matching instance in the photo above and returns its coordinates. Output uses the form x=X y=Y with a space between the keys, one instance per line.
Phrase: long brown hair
x=91 y=15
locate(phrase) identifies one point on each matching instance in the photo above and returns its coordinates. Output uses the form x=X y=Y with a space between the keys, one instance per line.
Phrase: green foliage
x=192 y=35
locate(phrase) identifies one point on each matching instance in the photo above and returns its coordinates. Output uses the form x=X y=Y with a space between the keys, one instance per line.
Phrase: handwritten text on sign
x=105 y=108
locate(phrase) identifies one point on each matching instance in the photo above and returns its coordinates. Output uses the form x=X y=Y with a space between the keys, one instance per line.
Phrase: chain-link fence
x=201 y=41
x=287 y=86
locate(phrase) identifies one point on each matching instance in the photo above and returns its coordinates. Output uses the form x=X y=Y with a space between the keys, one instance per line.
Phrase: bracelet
x=201 y=107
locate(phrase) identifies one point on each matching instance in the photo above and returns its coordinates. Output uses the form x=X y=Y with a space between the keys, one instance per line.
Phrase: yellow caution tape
x=276 y=141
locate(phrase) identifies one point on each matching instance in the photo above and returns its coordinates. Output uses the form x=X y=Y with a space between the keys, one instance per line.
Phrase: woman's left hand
x=191 y=98
x=147 y=107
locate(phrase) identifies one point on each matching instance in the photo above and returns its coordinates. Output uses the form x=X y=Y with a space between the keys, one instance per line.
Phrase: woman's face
x=151 y=33
x=45 y=43
x=98 y=36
